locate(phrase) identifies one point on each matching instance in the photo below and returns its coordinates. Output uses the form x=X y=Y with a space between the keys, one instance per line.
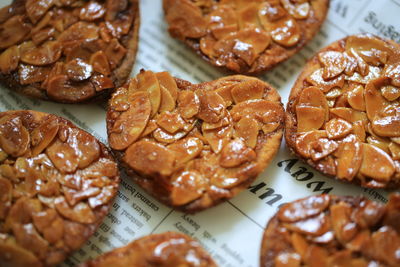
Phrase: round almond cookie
x=57 y=183
x=245 y=36
x=342 y=117
x=194 y=145
x=68 y=51
x=168 y=249
x=328 y=230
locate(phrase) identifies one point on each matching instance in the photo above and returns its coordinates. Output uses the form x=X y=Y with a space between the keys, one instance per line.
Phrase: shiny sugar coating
x=343 y=112
x=67 y=51
x=157 y=250
x=57 y=183
x=328 y=230
x=245 y=36
x=193 y=146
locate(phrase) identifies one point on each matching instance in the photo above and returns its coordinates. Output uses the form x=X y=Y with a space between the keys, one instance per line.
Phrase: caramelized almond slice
x=394 y=150
x=35 y=9
x=247 y=90
x=14 y=137
x=286 y=32
x=314 y=226
x=119 y=100
x=236 y=153
x=247 y=129
x=167 y=101
x=185 y=20
x=78 y=70
x=29 y=74
x=80 y=31
x=322 y=148
x=217 y=138
x=263 y=110
x=344 y=228
x=6 y=190
x=92 y=11
x=270 y=11
x=316 y=79
x=188 y=104
x=391 y=93
x=187 y=187
x=333 y=93
x=299 y=243
x=147 y=81
x=168 y=82
x=303 y=208
x=247 y=15
x=359 y=130
x=63 y=156
x=309 y=118
x=164 y=137
x=131 y=123
x=186 y=149
x=222 y=16
x=43 y=135
x=297 y=10
x=207 y=44
x=150 y=158
x=15 y=253
x=349 y=159
x=62 y=89
x=212 y=106
x=334 y=63
x=392 y=71
x=338 y=128
x=230 y=177
x=150 y=127
x=171 y=122
x=287 y=259
x=305 y=140
x=356 y=98
x=387 y=126
x=349 y=114
x=9 y=59
x=312 y=97
x=101 y=82
x=374 y=101
x=13 y=31
x=45 y=54
x=27 y=236
x=225 y=93
x=99 y=61
x=385 y=243
x=376 y=164
x=80 y=213
x=88 y=147
x=373 y=50
x=379 y=142
x=226 y=120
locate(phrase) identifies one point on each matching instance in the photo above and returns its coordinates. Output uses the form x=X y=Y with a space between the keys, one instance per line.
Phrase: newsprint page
x=232 y=231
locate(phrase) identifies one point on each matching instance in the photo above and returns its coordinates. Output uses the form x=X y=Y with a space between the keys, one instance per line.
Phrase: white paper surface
x=232 y=231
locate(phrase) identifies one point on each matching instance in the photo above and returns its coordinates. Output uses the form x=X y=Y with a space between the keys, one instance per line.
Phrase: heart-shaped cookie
x=245 y=36
x=67 y=51
x=57 y=183
x=194 y=145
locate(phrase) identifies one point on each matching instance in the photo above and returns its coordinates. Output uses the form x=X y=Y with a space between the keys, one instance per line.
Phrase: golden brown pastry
x=194 y=145
x=168 y=249
x=57 y=183
x=67 y=51
x=245 y=36
x=332 y=231
x=343 y=112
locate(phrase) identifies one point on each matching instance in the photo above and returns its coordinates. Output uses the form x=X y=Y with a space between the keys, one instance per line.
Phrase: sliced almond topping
x=212 y=106
x=342 y=225
x=167 y=101
x=37 y=8
x=64 y=157
x=81 y=212
x=387 y=126
x=78 y=70
x=322 y=148
x=263 y=110
x=334 y=63
x=356 y=98
x=150 y=158
x=391 y=93
x=394 y=150
x=43 y=135
x=359 y=130
x=297 y=10
x=147 y=81
x=315 y=226
x=385 y=245
x=313 y=97
x=299 y=243
x=251 y=89
x=286 y=32
x=236 y=153
x=164 y=137
x=374 y=100
x=338 y=128
x=14 y=137
x=309 y=118
x=101 y=82
x=187 y=187
x=373 y=50
x=247 y=129
x=150 y=127
x=130 y=124
x=171 y=122
x=186 y=149
x=392 y=71
x=316 y=79
x=168 y=82
x=9 y=60
x=379 y=142
x=80 y=31
x=217 y=138
x=287 y=259
x=270 y=11
x=45 y=54
x=99 y=61
x=225 y=121
x=304 y=141
x=349 y=114
x=350 y=156
x=225 y=93
x=92 y=11
x=188 y=104
x=303 y=209
x=376 y=164
x=247 y=15
x=208 y=42
x=62 y=89
x=13 y=31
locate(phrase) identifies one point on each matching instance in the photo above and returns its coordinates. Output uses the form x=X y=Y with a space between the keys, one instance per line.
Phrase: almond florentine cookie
x=168 y=249
x=245 y=36
x=57 y=183
x=194 y=145
x=67 y=51
x=343 y=112
x=332 y=231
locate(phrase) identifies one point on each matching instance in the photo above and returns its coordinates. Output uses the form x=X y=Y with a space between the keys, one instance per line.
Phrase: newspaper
x=232 y=231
